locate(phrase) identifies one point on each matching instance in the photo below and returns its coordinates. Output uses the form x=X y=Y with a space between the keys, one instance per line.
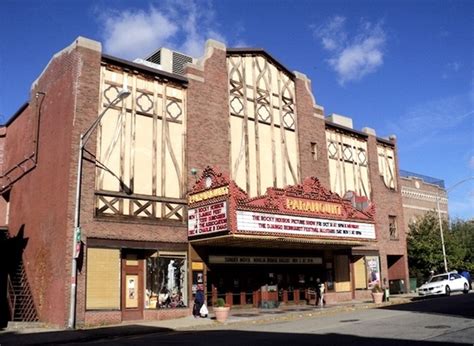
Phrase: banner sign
x=209 y=219
x=248 y=221
x=264 y=260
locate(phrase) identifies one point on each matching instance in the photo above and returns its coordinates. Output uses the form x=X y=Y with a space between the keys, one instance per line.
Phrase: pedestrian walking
x=198 y=301
x=320 y=293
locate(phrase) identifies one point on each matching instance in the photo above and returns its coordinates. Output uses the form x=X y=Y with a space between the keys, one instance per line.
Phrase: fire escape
x=19 y=297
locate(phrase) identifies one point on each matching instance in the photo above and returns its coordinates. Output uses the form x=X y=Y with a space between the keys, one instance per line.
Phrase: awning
x=261 y=241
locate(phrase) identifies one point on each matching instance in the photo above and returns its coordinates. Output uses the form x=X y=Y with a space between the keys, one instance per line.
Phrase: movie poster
x=373 y=271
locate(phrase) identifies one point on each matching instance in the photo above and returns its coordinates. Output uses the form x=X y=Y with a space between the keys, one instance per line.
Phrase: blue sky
x=400 y=67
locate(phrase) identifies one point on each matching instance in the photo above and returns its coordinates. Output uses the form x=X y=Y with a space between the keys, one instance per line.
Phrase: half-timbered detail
x=140 y=149
x=348 y=163
x=386 y=159
x=263 y=123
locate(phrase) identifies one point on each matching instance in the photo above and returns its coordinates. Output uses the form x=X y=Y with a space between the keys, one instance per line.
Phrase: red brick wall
x=3 y=202
x=94 y=318
x=311 y=129
x=397 y=270
x=208 y=115
x=40 y=199
x=44 y=200
x=387 y=202
x=166 y=314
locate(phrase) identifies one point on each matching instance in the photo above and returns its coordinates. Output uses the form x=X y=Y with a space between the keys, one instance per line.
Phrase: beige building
x=420 y=194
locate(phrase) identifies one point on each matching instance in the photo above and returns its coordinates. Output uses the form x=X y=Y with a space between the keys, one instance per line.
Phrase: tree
x=463 y=231
x=425 y=250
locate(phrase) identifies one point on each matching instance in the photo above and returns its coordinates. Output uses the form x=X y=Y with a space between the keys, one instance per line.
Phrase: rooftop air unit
x=170 y=61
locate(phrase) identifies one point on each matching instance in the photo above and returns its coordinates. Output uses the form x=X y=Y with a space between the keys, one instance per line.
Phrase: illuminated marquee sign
x=273 y=223
x=202 y=196
x=313 y=206
x=208 y=219
x=264 y=260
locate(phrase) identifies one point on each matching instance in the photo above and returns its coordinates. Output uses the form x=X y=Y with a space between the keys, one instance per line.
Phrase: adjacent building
x=221 y=170
x=421 y=194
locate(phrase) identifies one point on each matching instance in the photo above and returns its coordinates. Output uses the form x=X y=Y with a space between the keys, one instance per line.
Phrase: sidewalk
x=40 y=334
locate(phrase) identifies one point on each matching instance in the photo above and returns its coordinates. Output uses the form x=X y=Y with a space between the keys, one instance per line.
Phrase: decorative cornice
x=423 y=196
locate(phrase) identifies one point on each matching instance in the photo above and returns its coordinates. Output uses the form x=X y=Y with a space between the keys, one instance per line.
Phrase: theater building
x=221 y=170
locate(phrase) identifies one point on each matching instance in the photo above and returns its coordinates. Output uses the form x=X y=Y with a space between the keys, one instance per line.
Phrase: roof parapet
x=340 y=120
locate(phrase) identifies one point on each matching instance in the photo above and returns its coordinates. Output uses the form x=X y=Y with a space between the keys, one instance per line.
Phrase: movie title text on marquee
x=207 y=219
x=264 y=260
x=202 y=196
x=273 y=223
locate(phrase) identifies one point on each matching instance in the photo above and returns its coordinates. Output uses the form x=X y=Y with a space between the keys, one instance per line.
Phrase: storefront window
x=166 y=282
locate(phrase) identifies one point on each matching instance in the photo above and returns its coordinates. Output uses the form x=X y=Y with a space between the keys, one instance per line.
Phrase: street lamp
x=76 y=239
x=441 y=223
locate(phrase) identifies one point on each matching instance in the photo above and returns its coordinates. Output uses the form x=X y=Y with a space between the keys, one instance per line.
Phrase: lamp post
x=76 y=239
x=440 y=221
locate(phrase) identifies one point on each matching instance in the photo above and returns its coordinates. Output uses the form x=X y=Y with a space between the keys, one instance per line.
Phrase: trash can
x=397 y=286
x=386 y=296
x=413 y=285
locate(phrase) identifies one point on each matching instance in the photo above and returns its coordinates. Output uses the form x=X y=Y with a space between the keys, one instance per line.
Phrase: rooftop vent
x=170 y=61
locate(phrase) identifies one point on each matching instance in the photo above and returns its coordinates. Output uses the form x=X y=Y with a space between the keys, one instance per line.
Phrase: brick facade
x=44 y=200
x=420 y=197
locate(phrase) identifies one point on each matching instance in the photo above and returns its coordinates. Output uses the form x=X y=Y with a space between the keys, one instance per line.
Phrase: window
x=314 y=151
x=392 y=227
x=166 y=282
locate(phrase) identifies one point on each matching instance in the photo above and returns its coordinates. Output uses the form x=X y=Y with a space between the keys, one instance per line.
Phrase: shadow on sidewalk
x=107 y=334
x=461 y=305
x=235 y=337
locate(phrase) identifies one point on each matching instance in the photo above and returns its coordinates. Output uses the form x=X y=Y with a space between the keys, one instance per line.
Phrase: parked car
x=444 y=284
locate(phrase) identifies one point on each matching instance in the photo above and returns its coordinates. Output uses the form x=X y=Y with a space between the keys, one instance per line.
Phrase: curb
x=35 y=335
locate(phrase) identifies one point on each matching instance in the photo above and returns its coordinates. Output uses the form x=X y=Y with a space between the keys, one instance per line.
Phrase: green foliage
x=463 y=232
x=377 y=289
x=425 y=250
x=220 y=303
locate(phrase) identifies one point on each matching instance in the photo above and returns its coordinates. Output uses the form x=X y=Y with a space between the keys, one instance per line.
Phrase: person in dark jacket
x=467 y=275
x=198 y=300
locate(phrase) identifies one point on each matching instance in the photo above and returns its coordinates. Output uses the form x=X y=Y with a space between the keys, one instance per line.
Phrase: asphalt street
x=432 y=321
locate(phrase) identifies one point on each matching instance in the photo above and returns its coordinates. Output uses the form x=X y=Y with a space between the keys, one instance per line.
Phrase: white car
x=444 y=284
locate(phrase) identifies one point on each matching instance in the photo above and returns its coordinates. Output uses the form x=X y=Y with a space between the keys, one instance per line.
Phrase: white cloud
x=183 y=26
x=352 y=58
x=136 y=33
x=332 y=35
